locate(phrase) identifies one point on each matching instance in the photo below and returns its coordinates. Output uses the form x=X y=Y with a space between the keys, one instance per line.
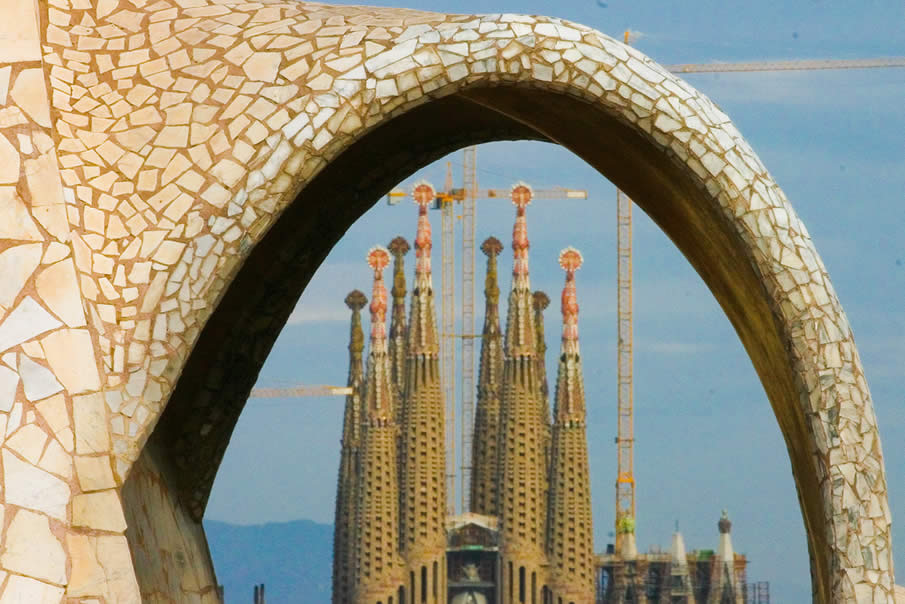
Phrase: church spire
x=485 y=443
x=570 y=537
x=422 y=336
x=520 y=333
x=570 y=403
x=423 y=478
x=398 y=247
x=522 y=496
x=344 y=521
x=541 y=301
x=356 y=300
x=379 y=401
x=379 y=571
x=725 y=585
x=680 y=582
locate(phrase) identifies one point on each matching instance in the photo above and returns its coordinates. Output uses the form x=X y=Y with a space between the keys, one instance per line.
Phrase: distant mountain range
x=292 y=559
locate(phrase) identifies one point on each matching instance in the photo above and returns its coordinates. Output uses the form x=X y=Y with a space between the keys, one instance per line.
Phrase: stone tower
x=344 y=537
x=541 y=301
x=522 y=468
x=398 y=247
x=423 y=480
x=681 y=586
x=485 y=444
x=725 y=587
x=570 y=536
x=379 y=567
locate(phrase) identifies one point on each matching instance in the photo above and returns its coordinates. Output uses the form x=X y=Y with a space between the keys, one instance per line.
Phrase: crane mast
x=447 y=335
x=625 y=440
x=469 y=203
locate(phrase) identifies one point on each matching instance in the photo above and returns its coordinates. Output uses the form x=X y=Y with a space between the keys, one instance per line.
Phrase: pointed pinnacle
x=491 y=247
x=541 y=300
x=399 y=247
x=570 y=260
x=356 y=300
x=424 y=194
x=378 y=260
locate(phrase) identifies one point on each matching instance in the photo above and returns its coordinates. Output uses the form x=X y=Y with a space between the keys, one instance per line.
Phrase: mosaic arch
x=172 y=172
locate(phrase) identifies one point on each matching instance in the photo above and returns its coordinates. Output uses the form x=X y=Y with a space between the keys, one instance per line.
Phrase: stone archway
x=186 y=166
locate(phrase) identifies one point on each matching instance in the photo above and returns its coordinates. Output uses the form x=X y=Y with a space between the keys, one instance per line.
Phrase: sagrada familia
x=528 y=536
x=530 y=487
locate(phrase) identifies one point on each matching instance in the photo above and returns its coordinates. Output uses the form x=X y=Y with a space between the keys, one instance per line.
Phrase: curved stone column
x=172 y=173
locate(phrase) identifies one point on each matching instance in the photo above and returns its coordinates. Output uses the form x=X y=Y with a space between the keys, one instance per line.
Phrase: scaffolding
x=447 y=337
x=625 y=440
x=469 y=202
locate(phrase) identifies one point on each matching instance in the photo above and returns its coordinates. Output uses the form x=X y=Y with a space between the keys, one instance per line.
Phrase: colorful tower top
x=378 y=260
x=520 y=331
x=521 y=197
x=379 y=392
x=422 y=336
x=570 y=403
x=424 y=195
x=570 y=260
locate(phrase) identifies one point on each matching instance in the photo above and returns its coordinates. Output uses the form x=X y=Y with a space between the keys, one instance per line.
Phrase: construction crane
x=467 y=196
x=801 y=65
x=298 y=391
x=625 y=439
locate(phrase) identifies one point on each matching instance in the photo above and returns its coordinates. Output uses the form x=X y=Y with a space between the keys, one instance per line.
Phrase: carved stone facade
x=173 y=172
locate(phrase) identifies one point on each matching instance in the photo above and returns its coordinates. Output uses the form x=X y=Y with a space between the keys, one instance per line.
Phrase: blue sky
x=706 y=438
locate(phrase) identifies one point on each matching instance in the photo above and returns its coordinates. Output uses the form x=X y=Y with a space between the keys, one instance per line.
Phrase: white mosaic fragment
x=643 y=87
x=386 y=88
x=9 y=382
x=25 y=322
x=33 y=488
x=356 y=73
x=413 y=31
x=391 y=56
x=33 y=550
x=70 y=354
x=516 y=18
x=28 y=441
x=666 y=123
x=15 y=420
x=713 y=163
x=37 y=380
x=24 y=590
x=90 y=420
x=58 y=289
x=17 y=263
x=648 y=74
